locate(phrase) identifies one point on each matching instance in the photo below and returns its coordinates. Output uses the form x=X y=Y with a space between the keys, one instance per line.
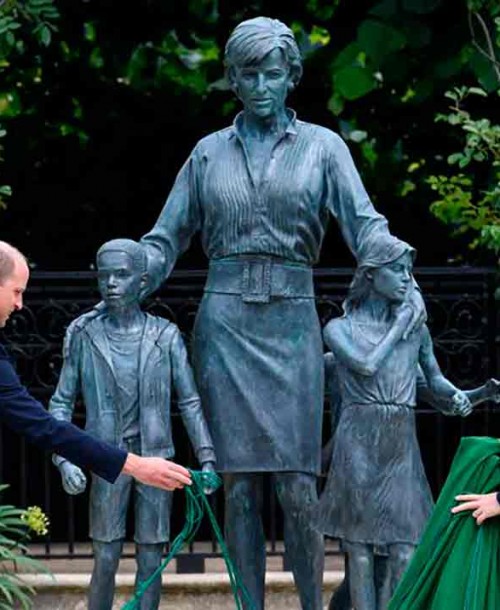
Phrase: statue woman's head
x=384 y=266
x=256 y=40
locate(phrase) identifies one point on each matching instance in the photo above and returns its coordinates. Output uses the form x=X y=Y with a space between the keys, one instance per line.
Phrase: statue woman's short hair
x=253 y=39
x=132 y=248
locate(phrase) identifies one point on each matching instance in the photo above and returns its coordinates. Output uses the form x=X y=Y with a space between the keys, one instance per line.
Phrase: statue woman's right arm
x=178 y=221
x=170 y=236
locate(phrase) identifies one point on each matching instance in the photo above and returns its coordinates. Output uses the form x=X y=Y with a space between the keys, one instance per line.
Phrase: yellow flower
x=36 y=520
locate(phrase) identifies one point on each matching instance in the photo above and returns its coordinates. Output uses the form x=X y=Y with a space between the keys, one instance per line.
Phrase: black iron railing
x=463 y=319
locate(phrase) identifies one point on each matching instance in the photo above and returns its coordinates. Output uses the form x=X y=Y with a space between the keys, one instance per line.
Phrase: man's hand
x=73 y=479
x=415 y=300
x=484 y=506
x=157 y=472
x=461 y=404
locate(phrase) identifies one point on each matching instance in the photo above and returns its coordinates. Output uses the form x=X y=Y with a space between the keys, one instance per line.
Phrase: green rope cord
x=196 y=506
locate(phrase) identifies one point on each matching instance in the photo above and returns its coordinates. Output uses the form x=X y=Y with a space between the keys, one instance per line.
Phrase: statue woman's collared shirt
x=310 y=174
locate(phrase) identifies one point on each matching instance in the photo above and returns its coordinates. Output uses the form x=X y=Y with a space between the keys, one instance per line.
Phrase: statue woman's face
x=263 y=87
x=392 y=280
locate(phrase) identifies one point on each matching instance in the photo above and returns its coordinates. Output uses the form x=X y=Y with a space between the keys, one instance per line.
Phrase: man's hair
x=8 y=256
x=132 y=248
x=253 y=39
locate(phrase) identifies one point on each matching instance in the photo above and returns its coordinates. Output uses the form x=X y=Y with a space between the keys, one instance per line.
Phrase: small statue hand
x=415 y=300
x=208 y=467
x=493 y=390
x=73 y=479
x=81 y=322
x=461 y=405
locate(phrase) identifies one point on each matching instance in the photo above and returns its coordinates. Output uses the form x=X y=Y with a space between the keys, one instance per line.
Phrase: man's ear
x=144 y=279
x=369 y=275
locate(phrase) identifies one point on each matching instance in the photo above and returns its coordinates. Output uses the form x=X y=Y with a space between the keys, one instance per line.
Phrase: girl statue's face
x=392 y=280
x=263 y=87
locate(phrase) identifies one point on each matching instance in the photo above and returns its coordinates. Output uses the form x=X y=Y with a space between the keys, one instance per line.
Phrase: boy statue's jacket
x=163 y=366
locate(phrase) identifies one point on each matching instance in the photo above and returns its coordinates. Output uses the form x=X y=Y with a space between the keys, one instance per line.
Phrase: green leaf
x=348 y=56
x=89 y=31
x=354 y=82
x=379 y=39
x=319 y=36
x=417 y=34
x=45 y=35
x=477 y=91
x=455 y=158
x=336 y=103
x=420 y=6
x=322 y=9
x=385 y=9
x=484 y=72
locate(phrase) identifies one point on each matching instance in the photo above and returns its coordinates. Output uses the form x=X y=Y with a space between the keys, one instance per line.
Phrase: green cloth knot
x=197 y=506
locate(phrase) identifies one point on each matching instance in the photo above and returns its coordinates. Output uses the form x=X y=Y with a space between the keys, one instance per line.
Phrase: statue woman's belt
x=257 y=279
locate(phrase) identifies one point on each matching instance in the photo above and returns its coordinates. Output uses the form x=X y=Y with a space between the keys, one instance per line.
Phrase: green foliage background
x=102 y=102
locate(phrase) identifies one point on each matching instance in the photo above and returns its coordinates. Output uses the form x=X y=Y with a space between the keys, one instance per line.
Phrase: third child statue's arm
x=365 y=363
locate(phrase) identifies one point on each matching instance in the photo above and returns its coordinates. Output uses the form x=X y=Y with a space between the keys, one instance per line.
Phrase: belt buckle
x=256 y=282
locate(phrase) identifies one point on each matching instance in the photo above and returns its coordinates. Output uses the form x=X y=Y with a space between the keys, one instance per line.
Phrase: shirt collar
x=291 y=129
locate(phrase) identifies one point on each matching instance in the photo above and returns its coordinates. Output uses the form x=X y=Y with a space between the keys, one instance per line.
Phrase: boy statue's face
x=119 y=282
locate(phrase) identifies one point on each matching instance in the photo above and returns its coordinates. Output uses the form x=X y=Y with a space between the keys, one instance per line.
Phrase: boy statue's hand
x=73 y=479
x=208 y=467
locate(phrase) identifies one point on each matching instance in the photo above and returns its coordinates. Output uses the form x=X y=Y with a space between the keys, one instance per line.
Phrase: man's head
x=14 y=276
x=121 y=268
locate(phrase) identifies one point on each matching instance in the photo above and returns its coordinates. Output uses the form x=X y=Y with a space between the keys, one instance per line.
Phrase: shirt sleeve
x=179 y=219
x=26 y=416
x=347 y=198
x=189 y=402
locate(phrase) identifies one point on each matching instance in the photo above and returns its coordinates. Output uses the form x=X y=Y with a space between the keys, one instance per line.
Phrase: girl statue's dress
x=377 y=491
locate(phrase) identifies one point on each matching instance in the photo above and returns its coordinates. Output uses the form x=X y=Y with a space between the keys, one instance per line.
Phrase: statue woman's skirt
x=259 y=369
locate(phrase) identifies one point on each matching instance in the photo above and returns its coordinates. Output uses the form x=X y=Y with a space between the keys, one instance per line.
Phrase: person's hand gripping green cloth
x=457 y=564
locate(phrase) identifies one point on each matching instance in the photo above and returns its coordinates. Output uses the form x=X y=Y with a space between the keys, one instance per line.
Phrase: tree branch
x=490 y=53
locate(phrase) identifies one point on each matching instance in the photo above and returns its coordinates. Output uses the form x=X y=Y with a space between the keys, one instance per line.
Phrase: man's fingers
x=173 y=467
x=467 y=497
x=178 y=477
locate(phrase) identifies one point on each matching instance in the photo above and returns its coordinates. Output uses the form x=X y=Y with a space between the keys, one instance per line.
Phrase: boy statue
x=126 y=363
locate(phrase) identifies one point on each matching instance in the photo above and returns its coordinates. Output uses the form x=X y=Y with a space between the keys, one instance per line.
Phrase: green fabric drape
x=457 y=564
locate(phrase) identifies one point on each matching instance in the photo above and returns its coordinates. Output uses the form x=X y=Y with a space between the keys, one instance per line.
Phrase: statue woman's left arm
x=358 y=220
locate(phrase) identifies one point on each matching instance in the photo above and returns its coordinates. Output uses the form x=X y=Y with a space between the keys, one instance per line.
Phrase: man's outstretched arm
x=25 y=415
